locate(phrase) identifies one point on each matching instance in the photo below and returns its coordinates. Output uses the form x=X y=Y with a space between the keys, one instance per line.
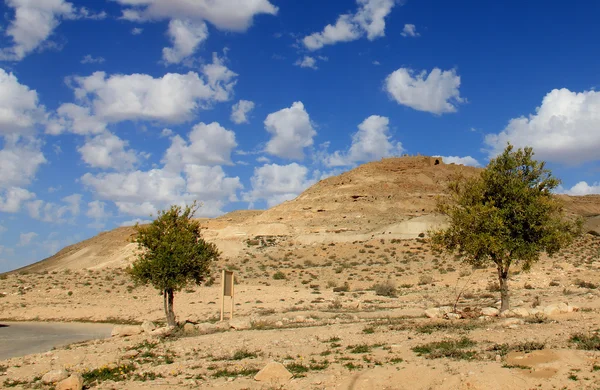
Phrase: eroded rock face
x=273 y=372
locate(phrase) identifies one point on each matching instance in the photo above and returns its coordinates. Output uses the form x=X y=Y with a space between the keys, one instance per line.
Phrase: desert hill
x=393 y=197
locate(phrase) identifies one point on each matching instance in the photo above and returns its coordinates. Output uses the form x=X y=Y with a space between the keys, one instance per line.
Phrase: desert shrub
x=386 y=289
x=454 y=349
x=425 y=279
x=584 y=284
x=279 y=275
x=589 y=342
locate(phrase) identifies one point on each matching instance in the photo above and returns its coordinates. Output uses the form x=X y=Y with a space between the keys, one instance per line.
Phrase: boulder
x=563 y=307
x=131 y=354
x=54 y=376
x=551 y=310
x=240 y=324
x=159 y=332
x=507 y=314
x=433 y=312
x=453 y=316
x=490 y=311
x=189 y=328
x=512 y=322
x=74 y=382
x=206 y=328
x=126 y=330
x=273 y=372
x=520 y=312
x=148 y=326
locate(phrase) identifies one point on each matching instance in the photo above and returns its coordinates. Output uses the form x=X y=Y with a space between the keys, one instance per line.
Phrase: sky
x=111 y=110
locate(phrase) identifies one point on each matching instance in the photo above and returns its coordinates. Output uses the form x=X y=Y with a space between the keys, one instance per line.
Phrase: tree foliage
x=508 y=215
x=172 y=254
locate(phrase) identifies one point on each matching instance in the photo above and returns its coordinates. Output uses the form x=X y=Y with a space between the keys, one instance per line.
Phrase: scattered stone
x=433 y=312
x=507 y=314
x=205 y=328
x=511 y=322
x=563 y=307
x=453 y=316
x=148 y=326
x=240 y=324
x=74 y=382
x=279 y=324
x=126 y=330
x=299 y=319
x=490 y=311
x=54 y=376
x=189 y=328
x=162 y=331
x=131 y=354
x=551 y=310
x=273 y=371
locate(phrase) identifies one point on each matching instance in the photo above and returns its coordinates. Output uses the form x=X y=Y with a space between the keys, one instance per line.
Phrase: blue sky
x=112 y=110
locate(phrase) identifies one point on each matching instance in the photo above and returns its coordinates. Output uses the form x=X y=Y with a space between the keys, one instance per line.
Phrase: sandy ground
x=328 y=339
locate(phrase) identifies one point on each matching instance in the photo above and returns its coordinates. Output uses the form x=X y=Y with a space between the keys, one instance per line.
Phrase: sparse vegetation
x=454 y=349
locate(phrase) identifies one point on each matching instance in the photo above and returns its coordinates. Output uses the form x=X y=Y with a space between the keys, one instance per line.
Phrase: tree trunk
x=168 y=302
x=504 y=296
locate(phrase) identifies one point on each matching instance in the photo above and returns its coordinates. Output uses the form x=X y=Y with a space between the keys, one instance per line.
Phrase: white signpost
x=227 y=283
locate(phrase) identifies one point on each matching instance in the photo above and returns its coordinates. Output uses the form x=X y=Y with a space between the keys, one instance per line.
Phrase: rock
x=507 y=314
x=74 y=382
x=273 y=371
x=131 y=354
x=148 y=326
x=536 y=311
x=240 y=324
x=189 y=328
x=206 y=328
x=571 y=309
x=520 y=312
x=490 y=311
x=279 y=324
x=551 y=310
x=498 y=358
x=299 y=319
x=126 y=330
x=162 y=331
x=446 y=309
x=512 y=322
x=453 y=316
x=563 y=307
x=54 y=376
x=433 y=312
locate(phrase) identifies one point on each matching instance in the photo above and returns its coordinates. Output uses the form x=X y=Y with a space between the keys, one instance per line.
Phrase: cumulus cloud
x=371 y=142
x=275 y=183
x=307 y=62
x=137 y=31
x=20 y=160
x=208 y=145
x=55 y=213
x=108 y=151
x=240 y=111
x=368 y=20
x=230 y=15
x=437 y=92
x=564 y=128
x=467 y=160
x=19 y=106
x=35 y=21
x=97 y=210
x=173 y=98
x=211 y=183
x=581 y=188
x=12 y=198
x=185 y=36
x=26 y=238
x=410 y=30
x=291 y=131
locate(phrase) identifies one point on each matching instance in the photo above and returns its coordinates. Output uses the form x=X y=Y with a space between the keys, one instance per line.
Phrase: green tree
x=172 y=254
x=507 y=215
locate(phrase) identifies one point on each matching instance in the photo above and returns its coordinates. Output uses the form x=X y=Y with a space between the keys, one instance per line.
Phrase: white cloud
x=307 y=62
x=467 y=160
x=581 y=188
x=89 y=59
x=19 y=106
x=55 y=213
x=97 y=210
x=172 y=98
x=410 y=30
x=185 y=36
x=35 y=21
x=211 y=184
x=108 y=151
x=371 y=142
x=565 y=128
x=26 y=238
x=368 y=20
x=230 y=15
x=137 y=31
x=277 y=183
x=133 y=222
x=208 y=145
x=436 y=93
x=240 y=111
x=19 y=161
x=12 y=198
x=291 y=130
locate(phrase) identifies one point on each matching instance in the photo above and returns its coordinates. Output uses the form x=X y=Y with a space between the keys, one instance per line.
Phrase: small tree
x=506 y=215
x=172 y=254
